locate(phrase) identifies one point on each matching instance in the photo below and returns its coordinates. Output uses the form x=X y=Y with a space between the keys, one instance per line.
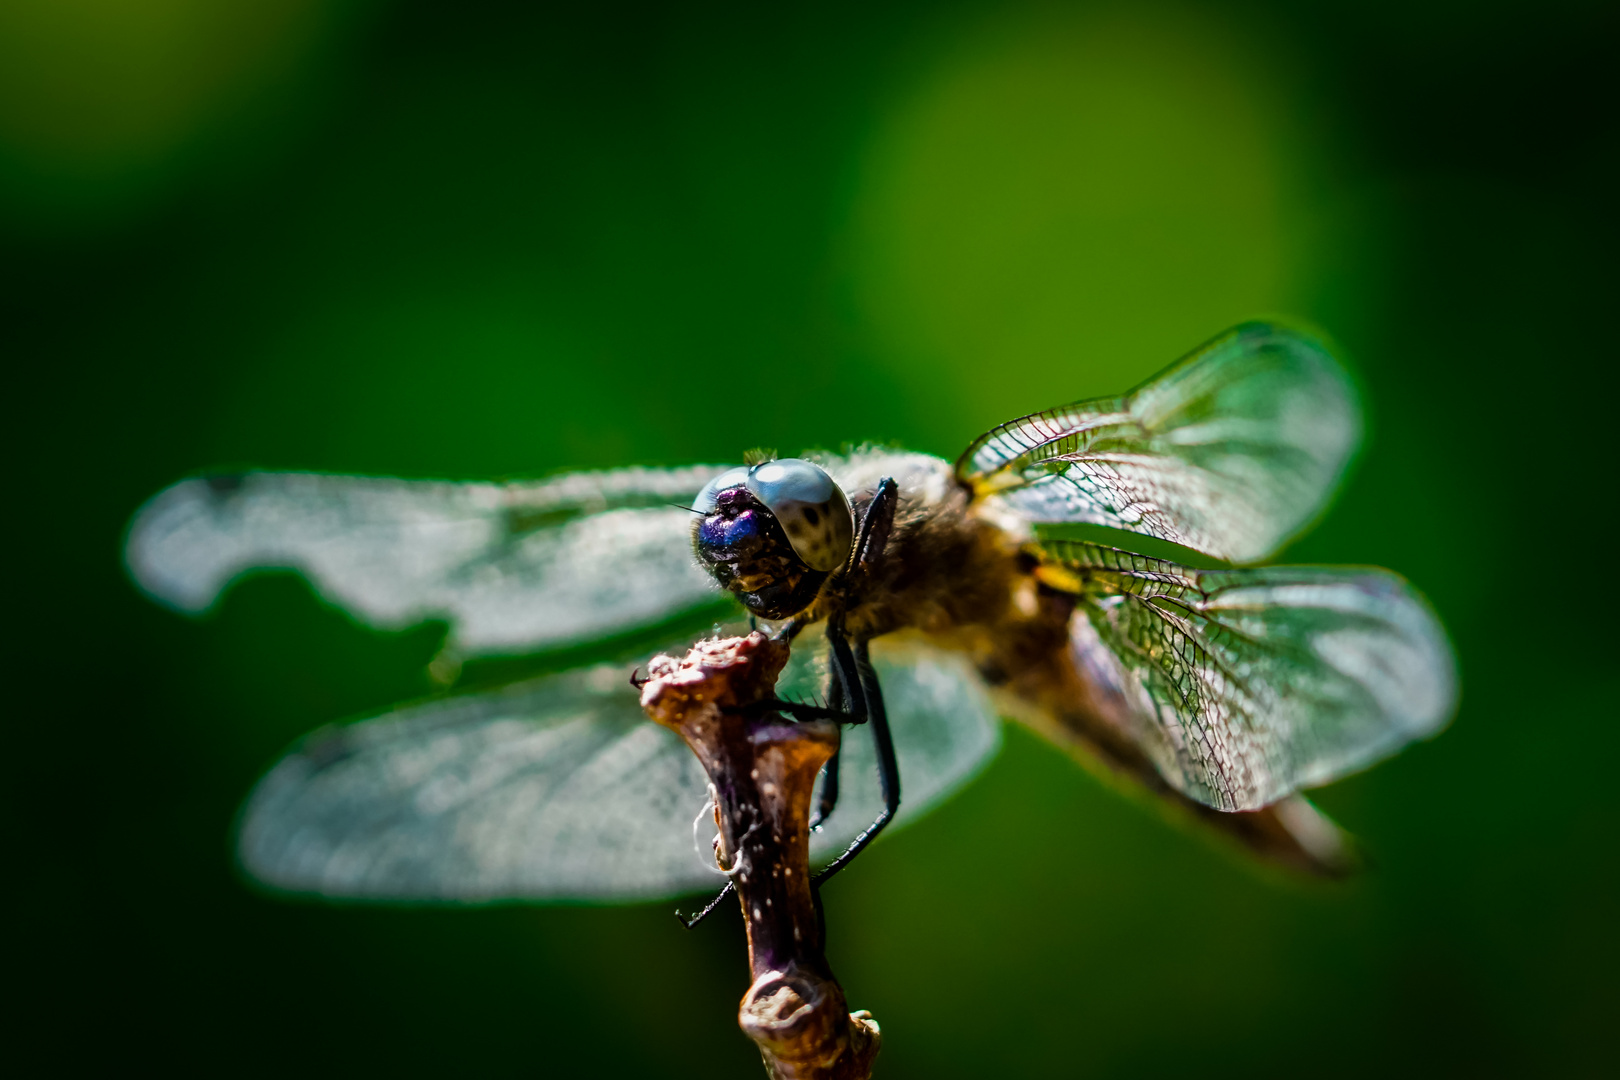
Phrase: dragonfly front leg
x=708 y=908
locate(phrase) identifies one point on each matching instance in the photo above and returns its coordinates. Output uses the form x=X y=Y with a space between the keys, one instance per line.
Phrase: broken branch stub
x=762 y=769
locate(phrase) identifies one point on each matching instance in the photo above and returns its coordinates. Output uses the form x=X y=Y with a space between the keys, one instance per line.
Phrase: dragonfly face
x=773 y=533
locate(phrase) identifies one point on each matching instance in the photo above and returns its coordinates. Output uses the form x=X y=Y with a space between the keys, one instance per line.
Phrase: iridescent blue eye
x=736 y=535
x=811 y=508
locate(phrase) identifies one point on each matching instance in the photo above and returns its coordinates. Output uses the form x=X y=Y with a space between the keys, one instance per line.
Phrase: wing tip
x=1437 y=667
x=1302 y=338
x=156 y=570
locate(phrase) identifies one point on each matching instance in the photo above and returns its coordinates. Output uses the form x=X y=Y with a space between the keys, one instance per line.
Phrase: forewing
x=559 y=788
x=1246 y=685
x=1230 y=452
x=513 y=567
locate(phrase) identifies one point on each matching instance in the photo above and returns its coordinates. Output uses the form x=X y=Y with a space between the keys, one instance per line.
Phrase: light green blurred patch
x=102 y=102
x=1064 y=203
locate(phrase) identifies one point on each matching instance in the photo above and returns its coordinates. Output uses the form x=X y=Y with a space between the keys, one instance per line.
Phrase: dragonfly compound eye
x=708 y=498
x=810 y=507
x=773 y=533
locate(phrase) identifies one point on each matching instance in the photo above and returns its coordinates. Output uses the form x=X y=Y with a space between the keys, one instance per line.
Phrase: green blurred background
x=468 y=240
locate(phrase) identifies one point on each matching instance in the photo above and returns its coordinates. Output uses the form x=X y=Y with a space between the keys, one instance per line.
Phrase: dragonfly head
x=772 y=533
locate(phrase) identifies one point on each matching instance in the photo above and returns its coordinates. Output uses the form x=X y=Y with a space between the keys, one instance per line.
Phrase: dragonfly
x=1095 y=571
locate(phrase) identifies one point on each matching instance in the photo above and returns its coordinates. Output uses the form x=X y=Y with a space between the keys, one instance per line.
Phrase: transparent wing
x=558 y=788
x=1230 y=452
x=1243 y=686
x=512 y=566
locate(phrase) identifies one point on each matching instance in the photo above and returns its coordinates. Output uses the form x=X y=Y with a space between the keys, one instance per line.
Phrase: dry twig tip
x=763 y=771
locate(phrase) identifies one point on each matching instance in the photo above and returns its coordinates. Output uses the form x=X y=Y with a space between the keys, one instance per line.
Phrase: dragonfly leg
x=828 y=801
x=709 y=907
x=871 y=703
x=875 y=527
x=836 y=699
x=844 y=683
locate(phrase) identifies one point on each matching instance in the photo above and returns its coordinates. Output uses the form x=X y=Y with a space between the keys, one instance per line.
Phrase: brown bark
x=762 y=769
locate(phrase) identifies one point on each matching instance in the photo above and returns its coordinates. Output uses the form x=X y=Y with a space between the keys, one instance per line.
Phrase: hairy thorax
x=953 y=573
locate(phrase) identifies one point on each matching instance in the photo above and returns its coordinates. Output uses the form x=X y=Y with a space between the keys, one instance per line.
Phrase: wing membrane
x=1246 y=685
x=556 y=788
x=560 y=788
x=512 y=566
x=1229 y=452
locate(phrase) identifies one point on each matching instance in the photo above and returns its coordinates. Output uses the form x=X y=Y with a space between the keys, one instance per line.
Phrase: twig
x=763 y=769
